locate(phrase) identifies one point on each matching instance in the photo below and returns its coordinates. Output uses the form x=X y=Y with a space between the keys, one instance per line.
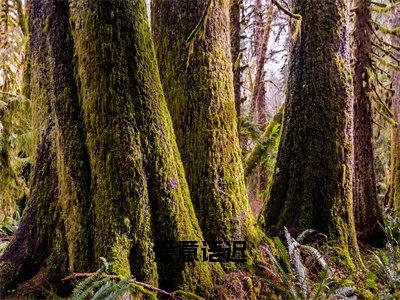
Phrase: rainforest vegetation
x=200 y=149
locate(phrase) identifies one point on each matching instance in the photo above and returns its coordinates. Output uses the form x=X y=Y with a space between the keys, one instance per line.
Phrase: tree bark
x=312 y=185
x=394 y=185
x=234 y=12
x=258 y=27
x=257 y=41
x=28 y=257
x=259 y=93
x=107 y=176
x=367 y=210
x=198 y=85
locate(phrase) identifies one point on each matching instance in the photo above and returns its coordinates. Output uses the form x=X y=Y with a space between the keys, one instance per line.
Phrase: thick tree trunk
x=198 y=86
x=367 y=210
x=108 y=175
x=312 y=185
x=28 y=258
x=394 y=185
x=234 y=12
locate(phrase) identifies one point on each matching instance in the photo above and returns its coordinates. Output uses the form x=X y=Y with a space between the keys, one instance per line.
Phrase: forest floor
x=305 y=267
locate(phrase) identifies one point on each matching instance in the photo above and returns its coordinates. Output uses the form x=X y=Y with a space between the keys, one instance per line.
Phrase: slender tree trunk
x=367 y=210
x=259 y=93
x=258 y=27
x=312 y=185
x=107 y=175
x=260 y=90
x=258 y=40
x=254 y=157
x=235 y=20
x=198 y=86
x=394 y=185
x=258 y=100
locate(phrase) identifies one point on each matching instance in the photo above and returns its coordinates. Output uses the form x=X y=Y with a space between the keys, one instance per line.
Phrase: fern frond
x=83 y=289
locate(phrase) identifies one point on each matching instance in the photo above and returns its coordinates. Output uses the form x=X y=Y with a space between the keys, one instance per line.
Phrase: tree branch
x=150 y=287
x=286 y=11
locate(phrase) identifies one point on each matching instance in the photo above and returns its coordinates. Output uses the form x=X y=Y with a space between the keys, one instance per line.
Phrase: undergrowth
x=101 y=285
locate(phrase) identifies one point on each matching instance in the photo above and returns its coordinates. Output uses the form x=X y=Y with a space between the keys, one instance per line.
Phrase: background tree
x=264 y=42
x=394 y=185
x=259 y=95
x=235 y=24
x=367 y=209
x=312 y=181
x=107 y=180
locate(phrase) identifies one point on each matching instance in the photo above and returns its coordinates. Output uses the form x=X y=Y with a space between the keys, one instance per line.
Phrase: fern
x=291 y=278
x=103 y=286
x=106 y=290
x=248 y=129
x=387 y=265
x=87 y=286
x=7 y=227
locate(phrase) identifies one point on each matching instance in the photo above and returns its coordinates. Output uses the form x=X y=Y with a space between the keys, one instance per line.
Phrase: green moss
x=119 y=258
x=187 y=295
x=312 y=181
x=133 y=156
x=199 y=93
x=271 y=132
x=370 y=281
x=108 y=172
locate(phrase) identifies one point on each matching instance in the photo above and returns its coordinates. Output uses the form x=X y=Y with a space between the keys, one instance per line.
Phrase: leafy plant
x=7 y=227
x=15 y=128
x=101 y=285
x=388 y=259
x=248 y=129
x=391 y=226
x=15 y=150
x=291 y=272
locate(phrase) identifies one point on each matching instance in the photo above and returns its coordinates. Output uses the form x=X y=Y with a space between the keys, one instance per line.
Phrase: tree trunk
x=258 y=40
x=367 y=210
x=198 y=85
x=253 y=158
x=234 y=13
x=108 y=175
x=257 y=27
x=394 y=185
x=259 y=93
x=312 y=185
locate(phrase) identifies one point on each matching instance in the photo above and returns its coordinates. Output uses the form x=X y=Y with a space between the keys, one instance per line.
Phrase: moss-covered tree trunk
x=312 y=185
x=394 y=185
x=255 y=156
x=29 y=258
x=367 y=210
x=196 y=72
x=259 y=93
x=108 y=180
